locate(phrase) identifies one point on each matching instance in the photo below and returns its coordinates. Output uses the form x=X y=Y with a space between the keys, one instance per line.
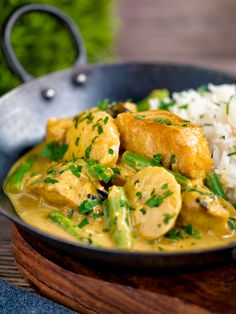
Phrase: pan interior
x=24 y=112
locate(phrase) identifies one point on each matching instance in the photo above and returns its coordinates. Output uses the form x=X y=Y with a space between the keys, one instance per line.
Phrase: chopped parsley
x=232 y=154
x=77 y=141
x=139 y=195
x=164 y=186
x=165 y=105
x=106 y=120
x=208 y=124
x=231 y=223
x=143 y=211
x=202 y=89
x=36 y=181
x=110 y=151
x=192 y=232
x=76 y=121
x=88 y=151
x=53 y=151
x=76 y=170
x=164 y=121
x=97 y=215
x=51 y=171
x=100 y=129
x=227 y=108
x=102 y=106
x=157 y=160
x=139 y=117
x=172 y=159
x=184 y=107
x=50 y=180
x=167 y=218
x=71 y=213
x=83 y=223
x=174 y=234
x=86 y=207
x=116 y=171
x=157 y=201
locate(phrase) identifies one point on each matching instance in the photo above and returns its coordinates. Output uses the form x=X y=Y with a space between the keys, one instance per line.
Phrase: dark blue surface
x=15 y=300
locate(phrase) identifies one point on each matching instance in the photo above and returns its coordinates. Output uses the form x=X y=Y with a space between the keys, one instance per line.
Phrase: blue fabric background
x=15 y=300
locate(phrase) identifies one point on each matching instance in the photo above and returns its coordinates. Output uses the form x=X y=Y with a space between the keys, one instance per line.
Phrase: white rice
x=215 y=111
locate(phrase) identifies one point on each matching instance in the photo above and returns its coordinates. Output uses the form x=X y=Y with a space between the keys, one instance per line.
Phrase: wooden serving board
x=92 y=290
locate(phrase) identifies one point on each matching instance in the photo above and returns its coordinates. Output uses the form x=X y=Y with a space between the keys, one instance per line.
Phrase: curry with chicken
x=114 y=177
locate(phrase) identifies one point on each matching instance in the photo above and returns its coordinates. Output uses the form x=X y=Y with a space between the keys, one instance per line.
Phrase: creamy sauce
x=34 y=211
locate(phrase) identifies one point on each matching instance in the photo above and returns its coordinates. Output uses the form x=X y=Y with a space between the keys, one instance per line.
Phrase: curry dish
x=119 y=178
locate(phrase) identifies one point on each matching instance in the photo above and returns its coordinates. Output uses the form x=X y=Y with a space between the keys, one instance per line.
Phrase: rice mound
x=215 y=110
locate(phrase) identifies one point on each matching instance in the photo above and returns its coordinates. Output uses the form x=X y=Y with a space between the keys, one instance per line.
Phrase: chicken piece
x=95 y=136
x=64 y=184
x=182 y=144
x=57 y=129
x=204 y=211
x=155 y=197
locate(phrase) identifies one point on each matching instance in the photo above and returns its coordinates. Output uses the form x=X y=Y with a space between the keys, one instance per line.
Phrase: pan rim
x=94 y=66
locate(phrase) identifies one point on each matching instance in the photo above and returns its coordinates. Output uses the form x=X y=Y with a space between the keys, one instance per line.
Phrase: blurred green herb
x=43 y=44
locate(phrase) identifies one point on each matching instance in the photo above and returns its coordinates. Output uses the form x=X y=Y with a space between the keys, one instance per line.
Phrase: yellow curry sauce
x=91 y=181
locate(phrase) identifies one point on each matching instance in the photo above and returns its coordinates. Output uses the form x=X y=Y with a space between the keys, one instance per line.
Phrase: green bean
x=136 y=161
x=68 y=225
x=14 y=182
x=213 y=183
x=100 y=172
x=139 y=162
x=159 y=94
x=118 y=217
x=182 y=180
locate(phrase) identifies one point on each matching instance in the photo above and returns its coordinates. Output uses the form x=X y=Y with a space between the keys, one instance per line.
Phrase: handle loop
x=8 y=51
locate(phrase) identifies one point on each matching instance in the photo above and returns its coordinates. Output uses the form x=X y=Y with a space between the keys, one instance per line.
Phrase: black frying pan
x=25 y=110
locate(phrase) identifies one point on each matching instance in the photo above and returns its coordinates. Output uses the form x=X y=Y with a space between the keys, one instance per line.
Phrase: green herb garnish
x=192 y=232
x=157 y=201
x=174 y=234
x=76 y=170
x=71 y=213
x=86 y=207
x=232 y=154
x=83 y=223
x=54 y=152
x=110 y=151
x=172 y=159
x=167 y=218
x=50 y=180
x=88 y=151
x=102 y=106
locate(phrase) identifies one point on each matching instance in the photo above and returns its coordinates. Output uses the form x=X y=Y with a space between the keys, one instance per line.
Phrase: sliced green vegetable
x=117 y=217
x=136 y=161
x=14 y=182
x=67 y=225
x=139 y=162
x=159 y=94
x=213 y=183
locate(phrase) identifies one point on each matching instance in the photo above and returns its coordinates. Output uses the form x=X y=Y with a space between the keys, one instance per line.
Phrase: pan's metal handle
x=12 y=60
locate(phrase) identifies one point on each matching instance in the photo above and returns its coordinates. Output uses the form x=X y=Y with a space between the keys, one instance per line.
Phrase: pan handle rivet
x=48 y=93
x=80 y=79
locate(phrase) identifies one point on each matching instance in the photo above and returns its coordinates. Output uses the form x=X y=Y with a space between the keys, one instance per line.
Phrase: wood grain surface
x=89 y=289
x=200 y=32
